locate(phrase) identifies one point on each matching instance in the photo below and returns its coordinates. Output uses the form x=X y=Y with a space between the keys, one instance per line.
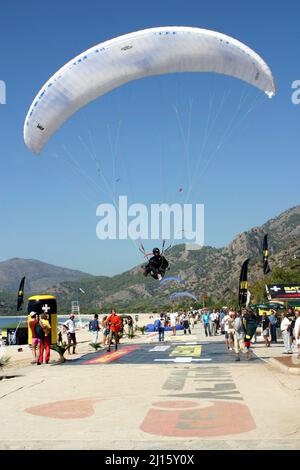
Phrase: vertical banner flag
x=21 y=295
x=243 y=288
x=266 y=266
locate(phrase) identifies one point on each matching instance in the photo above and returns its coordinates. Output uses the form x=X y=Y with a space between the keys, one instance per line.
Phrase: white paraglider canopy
x=136 y=55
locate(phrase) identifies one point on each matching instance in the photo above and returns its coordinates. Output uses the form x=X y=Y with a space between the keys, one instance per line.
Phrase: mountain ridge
x=210 y=271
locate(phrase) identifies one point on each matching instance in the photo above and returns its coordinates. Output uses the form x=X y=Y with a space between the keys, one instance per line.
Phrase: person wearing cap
x=36 y=337
x=71 y=334
x=157 y=265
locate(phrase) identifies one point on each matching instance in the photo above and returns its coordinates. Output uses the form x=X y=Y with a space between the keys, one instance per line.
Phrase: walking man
x=114 y=324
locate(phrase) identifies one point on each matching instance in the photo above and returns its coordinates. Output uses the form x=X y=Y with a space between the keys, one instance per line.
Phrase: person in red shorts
x=114 y=323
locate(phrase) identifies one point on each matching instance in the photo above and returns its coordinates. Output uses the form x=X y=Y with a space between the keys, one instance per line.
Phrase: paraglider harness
x=157 y=265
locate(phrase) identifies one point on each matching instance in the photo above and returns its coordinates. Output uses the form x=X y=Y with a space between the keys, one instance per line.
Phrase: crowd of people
x=238 y=327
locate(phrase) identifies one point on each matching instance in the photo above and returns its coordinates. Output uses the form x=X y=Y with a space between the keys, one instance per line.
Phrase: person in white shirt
x=173 y=319
x=70 y=325
x=192 y=320
x=285 y=327
x=213 y=318
x=297 y=331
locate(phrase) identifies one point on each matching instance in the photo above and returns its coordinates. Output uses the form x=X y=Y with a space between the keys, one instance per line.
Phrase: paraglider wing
x=177 y=295
x=172 y=279
x=154 y=51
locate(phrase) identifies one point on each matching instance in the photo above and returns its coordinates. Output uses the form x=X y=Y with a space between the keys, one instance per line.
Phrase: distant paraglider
x=178 y=295
x=171 y=279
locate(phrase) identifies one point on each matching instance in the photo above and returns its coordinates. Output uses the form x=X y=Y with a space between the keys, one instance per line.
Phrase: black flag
x=266 y=266
x=243 y=288
x=21 y=295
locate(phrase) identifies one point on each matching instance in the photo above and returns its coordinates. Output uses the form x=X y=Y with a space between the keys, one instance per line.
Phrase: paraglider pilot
x=157 y=265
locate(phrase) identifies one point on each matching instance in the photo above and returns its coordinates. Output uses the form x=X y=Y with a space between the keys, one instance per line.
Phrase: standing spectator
x=161 y=328
x=129 y=322
x=185 y=323
x=36 y=334
x=239 y=335
x=59 y=337
x=291 y=317
x=105 y=330
x=229 y=329
x=192 y=320
x=95 y=328
x=217 y=321
x=297 y=332
x=221 y=317
x=273 y=324
x=213 y=322
x=46 y=340
x=114 y=323
x=173 y=319
x=266 y=329
x=205 y=320
x=250 y=324
x=285 y=327
x=71 y=335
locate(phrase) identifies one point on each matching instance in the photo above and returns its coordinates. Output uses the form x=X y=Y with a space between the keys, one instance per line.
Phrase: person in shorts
x=266 y=329
x=36 y=337
x=114 y=324
x=71 y=335
x=105 y=330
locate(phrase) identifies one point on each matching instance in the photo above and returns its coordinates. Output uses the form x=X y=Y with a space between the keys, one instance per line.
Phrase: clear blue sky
x=48 y=208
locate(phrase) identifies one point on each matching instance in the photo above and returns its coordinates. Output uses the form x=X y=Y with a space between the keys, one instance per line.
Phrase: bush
x=61 y=349
x=142 y=329
x=4 y=360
